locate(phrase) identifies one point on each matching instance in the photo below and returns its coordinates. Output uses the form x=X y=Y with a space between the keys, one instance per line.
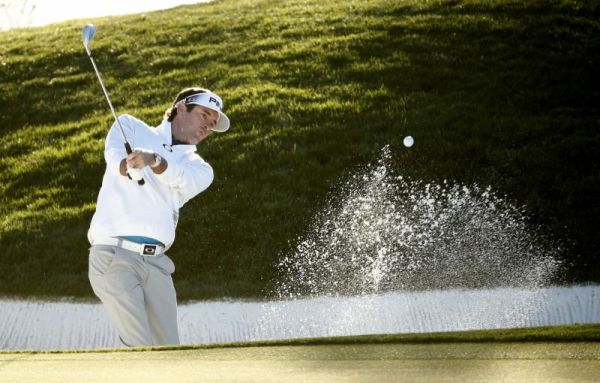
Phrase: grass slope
x=495 y=92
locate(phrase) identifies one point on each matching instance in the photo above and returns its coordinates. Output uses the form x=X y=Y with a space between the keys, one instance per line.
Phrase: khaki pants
x=138 y=294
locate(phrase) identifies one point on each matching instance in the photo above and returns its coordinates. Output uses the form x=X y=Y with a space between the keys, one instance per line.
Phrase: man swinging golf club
x=134 y=225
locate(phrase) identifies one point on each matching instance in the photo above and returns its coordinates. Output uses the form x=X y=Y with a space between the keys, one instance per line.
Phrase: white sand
x=59 y=325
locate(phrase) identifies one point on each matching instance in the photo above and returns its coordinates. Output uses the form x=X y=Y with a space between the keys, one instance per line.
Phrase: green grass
x=495 y=92
x=561 y=354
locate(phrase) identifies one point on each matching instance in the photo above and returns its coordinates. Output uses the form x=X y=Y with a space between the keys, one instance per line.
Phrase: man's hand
x=139 y=158
x=135 y=174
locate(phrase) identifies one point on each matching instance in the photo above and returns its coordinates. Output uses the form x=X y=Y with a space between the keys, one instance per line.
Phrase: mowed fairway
x=400 y=358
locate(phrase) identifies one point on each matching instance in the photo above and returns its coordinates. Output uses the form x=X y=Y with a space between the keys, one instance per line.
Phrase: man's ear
x=181 y=107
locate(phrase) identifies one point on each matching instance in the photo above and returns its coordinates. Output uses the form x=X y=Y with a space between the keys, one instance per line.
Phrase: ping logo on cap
x=215 y=101
x=209 y=100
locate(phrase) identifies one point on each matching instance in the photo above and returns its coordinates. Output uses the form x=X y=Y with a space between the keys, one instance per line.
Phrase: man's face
x=193 y=126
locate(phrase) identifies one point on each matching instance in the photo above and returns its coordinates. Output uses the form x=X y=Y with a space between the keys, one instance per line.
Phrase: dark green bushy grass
x=494 y=92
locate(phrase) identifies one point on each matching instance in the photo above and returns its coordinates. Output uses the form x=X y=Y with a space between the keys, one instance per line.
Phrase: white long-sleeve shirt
x=125 y=208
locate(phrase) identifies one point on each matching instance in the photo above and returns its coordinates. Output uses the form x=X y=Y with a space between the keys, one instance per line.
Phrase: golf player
x=134 y=225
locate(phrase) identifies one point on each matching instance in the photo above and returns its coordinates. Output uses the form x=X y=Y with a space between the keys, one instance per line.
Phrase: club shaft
x=112 y=109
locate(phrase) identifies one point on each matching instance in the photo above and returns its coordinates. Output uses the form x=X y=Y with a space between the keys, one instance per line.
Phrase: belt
x=145 y=249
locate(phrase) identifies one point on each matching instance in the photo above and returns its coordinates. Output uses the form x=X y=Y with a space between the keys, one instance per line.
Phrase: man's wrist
x=123 y=167
x=157 y=161
x=159 y=165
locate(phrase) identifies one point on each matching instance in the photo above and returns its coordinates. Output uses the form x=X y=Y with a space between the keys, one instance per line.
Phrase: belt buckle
x=149 y=250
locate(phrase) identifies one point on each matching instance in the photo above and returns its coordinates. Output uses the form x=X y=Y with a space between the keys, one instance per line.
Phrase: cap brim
x=223 y=123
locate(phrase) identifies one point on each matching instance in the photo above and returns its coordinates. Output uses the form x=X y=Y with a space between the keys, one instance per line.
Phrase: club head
x=89 y=30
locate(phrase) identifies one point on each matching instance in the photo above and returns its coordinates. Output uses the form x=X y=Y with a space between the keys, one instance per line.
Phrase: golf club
x=89 y=31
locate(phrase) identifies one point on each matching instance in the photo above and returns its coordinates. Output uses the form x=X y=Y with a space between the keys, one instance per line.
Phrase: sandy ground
x=465 y=362
x=63 y=325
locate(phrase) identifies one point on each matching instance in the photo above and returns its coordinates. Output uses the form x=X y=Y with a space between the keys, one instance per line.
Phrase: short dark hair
x=172 y=112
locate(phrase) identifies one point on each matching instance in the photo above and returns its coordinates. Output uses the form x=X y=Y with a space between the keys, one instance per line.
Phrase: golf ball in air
x=409 y=141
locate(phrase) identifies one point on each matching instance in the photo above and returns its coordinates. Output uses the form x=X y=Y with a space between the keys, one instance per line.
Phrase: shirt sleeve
x=189 y=177
x=114 y=147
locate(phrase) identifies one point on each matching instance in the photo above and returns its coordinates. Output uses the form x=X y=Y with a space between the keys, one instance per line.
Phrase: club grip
x=128 y=150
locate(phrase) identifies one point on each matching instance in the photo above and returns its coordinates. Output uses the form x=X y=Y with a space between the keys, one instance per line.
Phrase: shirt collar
x=166 y=133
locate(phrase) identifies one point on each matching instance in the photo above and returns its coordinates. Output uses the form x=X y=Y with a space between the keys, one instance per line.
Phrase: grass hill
x=495 y=92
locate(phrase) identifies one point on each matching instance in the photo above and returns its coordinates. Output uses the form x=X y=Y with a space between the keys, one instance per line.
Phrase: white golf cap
x=211 y=101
